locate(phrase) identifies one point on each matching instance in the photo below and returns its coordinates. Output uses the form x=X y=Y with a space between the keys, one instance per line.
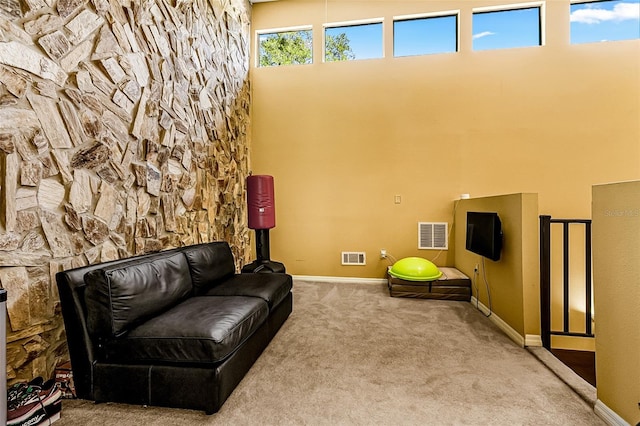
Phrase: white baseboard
x=609 y=416
x=506 y=328
x=337 y=280
x=532 y=340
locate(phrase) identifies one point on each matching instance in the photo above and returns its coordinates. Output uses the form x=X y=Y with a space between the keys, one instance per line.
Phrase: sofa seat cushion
x=198 y=330
x=272 y=288
x=121 y=296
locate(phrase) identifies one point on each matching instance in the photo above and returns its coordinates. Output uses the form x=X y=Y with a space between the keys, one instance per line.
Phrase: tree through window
x=352 y=42
x=285 y=48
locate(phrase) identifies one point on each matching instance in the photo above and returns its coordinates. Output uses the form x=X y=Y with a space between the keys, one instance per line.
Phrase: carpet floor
x=351 y=355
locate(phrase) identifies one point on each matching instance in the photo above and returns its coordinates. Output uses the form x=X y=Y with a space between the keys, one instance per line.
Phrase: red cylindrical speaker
x=261 y=202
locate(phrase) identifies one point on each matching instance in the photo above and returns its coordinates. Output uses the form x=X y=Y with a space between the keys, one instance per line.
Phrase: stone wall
x=123 y=130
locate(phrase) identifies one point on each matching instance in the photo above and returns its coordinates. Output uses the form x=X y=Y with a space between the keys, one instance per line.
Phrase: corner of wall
x=514 y=280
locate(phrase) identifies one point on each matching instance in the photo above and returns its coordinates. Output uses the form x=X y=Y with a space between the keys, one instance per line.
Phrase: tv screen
x=484 y=234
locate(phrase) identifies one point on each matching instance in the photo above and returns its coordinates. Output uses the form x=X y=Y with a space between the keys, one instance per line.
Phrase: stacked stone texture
x=123 y=130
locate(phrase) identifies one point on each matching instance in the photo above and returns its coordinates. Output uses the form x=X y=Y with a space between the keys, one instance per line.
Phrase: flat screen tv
x=484 y=234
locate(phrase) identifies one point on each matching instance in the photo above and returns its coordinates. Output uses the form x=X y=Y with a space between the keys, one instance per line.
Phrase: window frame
x=355 y=23
x=262 y=32
x=540 y=5
x=427 y=15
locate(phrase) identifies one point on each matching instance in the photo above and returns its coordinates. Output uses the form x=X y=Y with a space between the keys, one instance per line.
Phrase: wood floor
x=582 y=362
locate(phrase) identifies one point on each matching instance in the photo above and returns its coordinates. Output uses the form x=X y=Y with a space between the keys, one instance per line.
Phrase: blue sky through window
x=506 y=28
x=423 y=36
x=605 y=21
x=365 y=39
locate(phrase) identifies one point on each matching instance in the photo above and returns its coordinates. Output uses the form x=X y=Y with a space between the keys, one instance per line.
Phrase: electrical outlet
x=383 y=254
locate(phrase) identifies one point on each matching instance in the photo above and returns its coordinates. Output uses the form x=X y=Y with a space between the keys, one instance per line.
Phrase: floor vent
x=433 y=235
x=354 y=258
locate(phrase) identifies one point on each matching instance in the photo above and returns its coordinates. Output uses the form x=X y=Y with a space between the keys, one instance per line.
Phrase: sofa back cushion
x=123 y=295
x=210 y=264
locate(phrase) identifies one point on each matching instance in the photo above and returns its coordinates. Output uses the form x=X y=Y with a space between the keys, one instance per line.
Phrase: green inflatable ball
x=415 y=269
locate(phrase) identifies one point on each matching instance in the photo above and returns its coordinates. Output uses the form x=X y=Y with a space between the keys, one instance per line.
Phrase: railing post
x=565 y=276
x=588 y=279
x=545 y=281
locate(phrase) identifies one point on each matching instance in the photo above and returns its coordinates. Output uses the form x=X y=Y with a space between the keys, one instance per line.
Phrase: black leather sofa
x=177 y=328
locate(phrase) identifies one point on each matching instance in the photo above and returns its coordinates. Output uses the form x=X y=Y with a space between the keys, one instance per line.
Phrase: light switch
x=397 y=199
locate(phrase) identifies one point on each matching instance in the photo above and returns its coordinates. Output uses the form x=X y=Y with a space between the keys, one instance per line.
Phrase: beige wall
x=616 y=250
x=341 y=139
x=513 y=280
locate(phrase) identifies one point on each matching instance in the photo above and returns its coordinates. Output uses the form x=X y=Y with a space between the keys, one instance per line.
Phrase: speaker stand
x=263 y=263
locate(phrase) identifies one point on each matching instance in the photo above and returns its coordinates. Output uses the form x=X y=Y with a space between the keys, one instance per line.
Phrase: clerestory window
x=285 y=47
x=425 y=35
x=353 y=41
x=608 y=20
x=507 y=28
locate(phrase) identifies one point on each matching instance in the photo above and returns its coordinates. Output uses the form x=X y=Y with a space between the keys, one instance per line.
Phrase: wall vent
x=354 y=258
x=433 y=235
